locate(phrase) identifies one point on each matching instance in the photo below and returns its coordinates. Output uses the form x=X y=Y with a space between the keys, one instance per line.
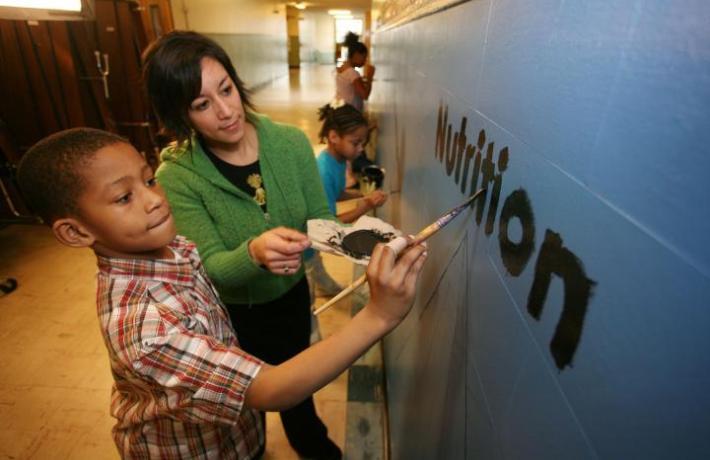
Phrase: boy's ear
x=72 y=233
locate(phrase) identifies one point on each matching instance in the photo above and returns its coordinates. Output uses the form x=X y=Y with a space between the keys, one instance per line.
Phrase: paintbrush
x=400 y=243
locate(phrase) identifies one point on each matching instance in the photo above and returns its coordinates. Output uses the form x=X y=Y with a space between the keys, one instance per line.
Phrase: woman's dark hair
x=344 y=119
x=352 y=41
x=172 y=76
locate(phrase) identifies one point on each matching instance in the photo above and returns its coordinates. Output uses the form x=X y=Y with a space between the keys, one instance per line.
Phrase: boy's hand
x=375 y=199
x=279 y=250
x=393 y=284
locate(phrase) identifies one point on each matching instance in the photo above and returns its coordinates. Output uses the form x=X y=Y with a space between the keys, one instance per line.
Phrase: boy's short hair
x=50 y=173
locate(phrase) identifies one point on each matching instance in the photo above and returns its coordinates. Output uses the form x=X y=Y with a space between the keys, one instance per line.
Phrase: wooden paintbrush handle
x=359 y=282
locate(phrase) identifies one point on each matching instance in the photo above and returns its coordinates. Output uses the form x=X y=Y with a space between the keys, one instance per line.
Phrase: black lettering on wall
x=556 y=259
x=553 y=258
x=477 y=163
x=470 y=150
x=441 y=127
x=487 y=173
x=517 y=255
x=460 y=146
x=495 y=193
x=450 y=151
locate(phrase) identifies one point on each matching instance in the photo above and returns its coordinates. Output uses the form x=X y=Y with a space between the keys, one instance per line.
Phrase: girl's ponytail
x=341 y=117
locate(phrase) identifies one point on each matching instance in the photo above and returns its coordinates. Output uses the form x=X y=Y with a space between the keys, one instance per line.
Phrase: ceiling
x=355 y=5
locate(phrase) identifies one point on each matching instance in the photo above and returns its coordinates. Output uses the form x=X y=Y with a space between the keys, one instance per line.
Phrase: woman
x=242 y=188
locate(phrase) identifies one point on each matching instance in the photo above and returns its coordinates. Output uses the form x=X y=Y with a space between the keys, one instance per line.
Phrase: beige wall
x=317 y=37
x=230 y=16
x=253 y=32
x=292 y=15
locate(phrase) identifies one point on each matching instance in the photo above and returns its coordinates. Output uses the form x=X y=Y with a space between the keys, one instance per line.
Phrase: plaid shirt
x=180 y=377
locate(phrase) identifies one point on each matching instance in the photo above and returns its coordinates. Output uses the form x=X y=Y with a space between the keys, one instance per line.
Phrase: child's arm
x=392 y=288
x=370 y=201
x=349 y=194
x=363 y=85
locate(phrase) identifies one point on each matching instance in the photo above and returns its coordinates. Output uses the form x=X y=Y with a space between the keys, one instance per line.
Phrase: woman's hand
x=279 y=250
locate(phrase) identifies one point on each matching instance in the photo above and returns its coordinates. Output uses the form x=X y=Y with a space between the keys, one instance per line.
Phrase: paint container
x=371 y=178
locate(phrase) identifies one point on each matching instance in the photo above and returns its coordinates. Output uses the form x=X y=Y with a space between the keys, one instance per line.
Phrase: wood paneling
x=51 y=81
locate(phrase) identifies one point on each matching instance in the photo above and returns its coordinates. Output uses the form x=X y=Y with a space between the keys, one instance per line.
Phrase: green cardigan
x=221 y=219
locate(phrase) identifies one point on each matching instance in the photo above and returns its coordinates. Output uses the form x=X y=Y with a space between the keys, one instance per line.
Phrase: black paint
x=460 y=143
x=553 y=258
x=516 y=255
x=374 y=174
x=441 y=125
x=360 y=243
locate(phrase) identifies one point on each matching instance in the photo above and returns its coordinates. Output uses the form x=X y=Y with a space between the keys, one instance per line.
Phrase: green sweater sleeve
x=227 y=268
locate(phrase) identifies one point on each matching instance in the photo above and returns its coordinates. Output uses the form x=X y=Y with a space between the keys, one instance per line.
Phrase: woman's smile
x=233 y=126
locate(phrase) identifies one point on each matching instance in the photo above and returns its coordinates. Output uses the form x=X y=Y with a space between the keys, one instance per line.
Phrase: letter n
x=555 y=259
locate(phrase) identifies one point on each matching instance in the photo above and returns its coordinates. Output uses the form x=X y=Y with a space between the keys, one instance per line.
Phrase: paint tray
x=354 y=242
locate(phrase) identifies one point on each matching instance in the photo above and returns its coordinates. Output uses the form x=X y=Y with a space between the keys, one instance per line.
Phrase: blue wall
x=572 y=318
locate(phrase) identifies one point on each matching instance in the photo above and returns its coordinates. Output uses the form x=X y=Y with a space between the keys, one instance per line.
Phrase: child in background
x=355 y=89
x=350 y=86
x=182 y=386
x=345 y=131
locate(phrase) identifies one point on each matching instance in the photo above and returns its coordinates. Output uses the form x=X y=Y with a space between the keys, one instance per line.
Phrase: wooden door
x=60 y=74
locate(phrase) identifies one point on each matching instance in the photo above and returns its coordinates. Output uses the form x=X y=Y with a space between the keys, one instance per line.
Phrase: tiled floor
x=54 y=376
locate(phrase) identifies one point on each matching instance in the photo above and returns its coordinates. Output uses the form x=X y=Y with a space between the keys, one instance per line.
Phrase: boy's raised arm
x=392 y=289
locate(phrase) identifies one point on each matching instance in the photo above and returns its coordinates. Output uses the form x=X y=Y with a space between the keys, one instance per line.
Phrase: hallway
x=55 y=380
x=295 y=100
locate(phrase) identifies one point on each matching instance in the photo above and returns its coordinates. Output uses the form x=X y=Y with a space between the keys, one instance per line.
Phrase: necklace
x=255 y=181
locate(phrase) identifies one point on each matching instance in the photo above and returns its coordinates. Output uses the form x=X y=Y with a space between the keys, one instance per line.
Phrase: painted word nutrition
x=458 y=158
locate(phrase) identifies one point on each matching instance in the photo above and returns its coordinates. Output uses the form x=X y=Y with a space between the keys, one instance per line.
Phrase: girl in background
x=350 y=86
x=345 y=131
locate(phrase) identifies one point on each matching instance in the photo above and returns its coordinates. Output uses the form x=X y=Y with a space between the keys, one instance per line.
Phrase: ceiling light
x=63 y=5
x=339 y=12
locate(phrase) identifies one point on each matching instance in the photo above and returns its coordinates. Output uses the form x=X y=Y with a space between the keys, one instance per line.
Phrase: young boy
x=183 y=388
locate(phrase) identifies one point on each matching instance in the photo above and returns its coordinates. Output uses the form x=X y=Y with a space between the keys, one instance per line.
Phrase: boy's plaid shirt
x=180 y=377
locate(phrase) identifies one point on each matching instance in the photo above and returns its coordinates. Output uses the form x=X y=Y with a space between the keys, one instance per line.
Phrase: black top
x=247 y=178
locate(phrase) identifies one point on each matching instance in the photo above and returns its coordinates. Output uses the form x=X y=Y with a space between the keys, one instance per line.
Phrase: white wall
x=225 y=16
x=253 y=32
x=318 y=37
